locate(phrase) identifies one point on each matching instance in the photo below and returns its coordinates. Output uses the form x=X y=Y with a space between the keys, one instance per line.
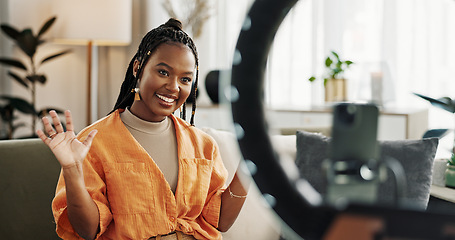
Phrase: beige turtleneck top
x=159 y=140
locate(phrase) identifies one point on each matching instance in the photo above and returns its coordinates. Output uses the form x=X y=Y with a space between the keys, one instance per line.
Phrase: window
x=412 y=42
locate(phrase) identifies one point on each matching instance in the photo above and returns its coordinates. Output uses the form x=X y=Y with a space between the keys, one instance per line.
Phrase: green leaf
x=44 y=111
x=20 y=104
x=336 y=55
x=10 y=31
x=445 y=103
x=348 y=62
x=37 y=78
x=27 y=42
x=451 y=161
x=55 y=55
x=46 y=26
x=13 y=63
x=328 y=62
x=311 y=79
x=18 y=79
x=325 y=81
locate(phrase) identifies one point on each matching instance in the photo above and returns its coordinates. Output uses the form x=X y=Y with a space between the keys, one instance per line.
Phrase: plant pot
x=450 y=176
x=335 y=90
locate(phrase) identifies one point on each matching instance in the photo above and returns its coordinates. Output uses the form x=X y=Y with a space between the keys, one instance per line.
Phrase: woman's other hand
x=68 y=150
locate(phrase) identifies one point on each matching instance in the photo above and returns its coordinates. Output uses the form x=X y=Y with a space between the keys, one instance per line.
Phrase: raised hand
x=68 y=150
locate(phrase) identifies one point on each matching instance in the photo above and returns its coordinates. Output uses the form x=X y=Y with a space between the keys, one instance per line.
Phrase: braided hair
x=171 y=31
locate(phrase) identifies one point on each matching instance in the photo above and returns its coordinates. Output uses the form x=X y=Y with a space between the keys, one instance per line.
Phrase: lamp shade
x=102 y=22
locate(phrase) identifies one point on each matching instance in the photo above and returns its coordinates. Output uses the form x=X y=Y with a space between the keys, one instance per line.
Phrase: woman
x=147 y=174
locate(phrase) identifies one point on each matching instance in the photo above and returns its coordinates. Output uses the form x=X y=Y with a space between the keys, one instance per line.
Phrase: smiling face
x=165 y=81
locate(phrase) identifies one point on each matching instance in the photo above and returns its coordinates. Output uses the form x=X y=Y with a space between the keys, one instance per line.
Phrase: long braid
x=193 y=111
x=171 y=31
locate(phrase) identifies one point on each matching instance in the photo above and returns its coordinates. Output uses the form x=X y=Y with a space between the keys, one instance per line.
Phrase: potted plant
x=445 y=103
x=28 y=43
x=334 y=83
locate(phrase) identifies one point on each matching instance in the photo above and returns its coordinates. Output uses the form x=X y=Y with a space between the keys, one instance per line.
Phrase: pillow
x=415 y=156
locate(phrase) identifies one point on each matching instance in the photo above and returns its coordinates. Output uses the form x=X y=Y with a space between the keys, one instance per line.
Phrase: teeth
x=166 y=99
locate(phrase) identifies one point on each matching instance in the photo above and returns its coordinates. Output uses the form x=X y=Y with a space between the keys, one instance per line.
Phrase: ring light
x=248 y=69
x=295 y=201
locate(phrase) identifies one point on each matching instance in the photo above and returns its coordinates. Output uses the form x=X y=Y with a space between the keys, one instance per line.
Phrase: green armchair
x=28 y=177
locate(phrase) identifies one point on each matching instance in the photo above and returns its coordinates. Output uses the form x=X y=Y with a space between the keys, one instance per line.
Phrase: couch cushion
x=29 y=174
x=415 y=156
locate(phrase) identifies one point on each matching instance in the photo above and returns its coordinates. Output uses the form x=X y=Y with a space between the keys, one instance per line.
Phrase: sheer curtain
x=410 y=41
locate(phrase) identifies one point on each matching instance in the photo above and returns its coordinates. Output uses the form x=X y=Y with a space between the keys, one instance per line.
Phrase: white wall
x=65 y=88
x=67 y=75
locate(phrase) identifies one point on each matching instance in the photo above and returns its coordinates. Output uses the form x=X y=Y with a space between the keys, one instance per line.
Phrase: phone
x=354 y=132
x=352 y=167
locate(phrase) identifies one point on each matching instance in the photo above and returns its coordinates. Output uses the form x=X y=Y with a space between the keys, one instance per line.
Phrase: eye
x=186 y=80
x=164 y=73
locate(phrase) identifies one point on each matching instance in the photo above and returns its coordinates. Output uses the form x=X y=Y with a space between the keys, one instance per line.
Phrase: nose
x=173 y=85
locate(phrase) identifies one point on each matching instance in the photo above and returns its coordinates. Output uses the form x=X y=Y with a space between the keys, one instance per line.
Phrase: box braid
x=171 y=31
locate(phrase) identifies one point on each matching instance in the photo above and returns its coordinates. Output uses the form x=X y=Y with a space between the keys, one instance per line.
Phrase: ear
x=135 y=67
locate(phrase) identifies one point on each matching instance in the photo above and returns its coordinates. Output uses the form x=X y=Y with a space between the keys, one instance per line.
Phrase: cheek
x=148 y=84
x=186 y=91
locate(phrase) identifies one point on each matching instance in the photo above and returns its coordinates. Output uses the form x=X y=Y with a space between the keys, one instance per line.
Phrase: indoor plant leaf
x=20 y=104
x=46 y=26
x=55 y=55
x=328 y=62
x=13 y=63
x=449 y=104
x=18 y=79
x=445 y=103
x=438 y=133
x=10 y=31
x=37 y=78
x=336 y=55
x=44 y=111
x=27 y=42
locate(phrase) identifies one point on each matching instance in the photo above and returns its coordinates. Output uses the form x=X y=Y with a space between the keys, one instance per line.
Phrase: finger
x=88 y=141
x=56 y=120
x=47 y=126
x=43 y=136
x=69 y=121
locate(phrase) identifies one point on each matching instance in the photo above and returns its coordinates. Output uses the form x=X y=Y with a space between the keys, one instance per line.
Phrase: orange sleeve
x=93 y=177
x=211 y=211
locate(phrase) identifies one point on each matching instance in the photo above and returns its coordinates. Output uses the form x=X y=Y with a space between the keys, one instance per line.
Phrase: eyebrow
x=166 y=65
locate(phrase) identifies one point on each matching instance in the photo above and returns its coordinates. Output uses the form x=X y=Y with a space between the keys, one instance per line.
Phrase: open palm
x=68 y=150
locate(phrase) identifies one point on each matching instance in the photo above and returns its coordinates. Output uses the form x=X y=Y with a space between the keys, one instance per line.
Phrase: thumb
x=88 y=141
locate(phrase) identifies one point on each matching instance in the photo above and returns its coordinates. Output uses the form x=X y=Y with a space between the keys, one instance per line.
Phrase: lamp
x=92 y=24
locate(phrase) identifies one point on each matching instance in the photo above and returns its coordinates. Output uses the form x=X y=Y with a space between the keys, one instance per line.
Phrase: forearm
x=232 y=201
x=82 y=210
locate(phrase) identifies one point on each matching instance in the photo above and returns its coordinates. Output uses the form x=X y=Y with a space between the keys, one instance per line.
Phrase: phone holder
x=353 y=169
x=353 y=181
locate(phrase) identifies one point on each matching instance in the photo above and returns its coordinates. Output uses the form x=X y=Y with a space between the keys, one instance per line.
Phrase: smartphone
x=352 y=166
x=354 y=132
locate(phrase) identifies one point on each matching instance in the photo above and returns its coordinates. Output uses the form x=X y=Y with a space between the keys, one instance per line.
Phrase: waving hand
x=68 y=150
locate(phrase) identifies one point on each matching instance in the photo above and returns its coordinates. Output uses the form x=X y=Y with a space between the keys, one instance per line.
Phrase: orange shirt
x=134 y=199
